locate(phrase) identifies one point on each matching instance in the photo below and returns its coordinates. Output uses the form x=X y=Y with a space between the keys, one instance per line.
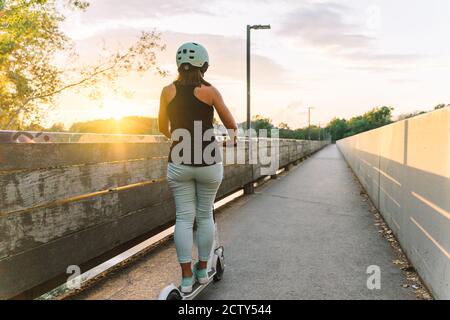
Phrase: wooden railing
x=80 y=204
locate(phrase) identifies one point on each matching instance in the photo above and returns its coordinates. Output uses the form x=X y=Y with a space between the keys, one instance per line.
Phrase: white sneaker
x=186 y=284
x=200 y=275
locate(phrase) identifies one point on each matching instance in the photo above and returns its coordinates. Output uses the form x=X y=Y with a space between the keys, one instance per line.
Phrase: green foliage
x=284 y=131
x=127 y=125
x=57 y=127
x=259 y=122
x=312 y=133
x=30 y=38
x=337 y=128
x=409 y=115
x=375 y=118
x=441 y=106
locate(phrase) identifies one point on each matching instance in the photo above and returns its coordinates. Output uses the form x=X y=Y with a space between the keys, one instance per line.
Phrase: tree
x=357 y=125
x=57 y=127
x=301 y=134
x=283 y=125
x=259 y=122
x=408 y=115
x=377 y=117
x=127 y=125
x=337 y=128
x=441 y=106
x=30 y=37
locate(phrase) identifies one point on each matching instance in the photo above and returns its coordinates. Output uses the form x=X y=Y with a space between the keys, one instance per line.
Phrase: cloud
x=227 y=55
x=323 y=25
x=381 y=62
x=111 y=15
x=228 y=58
x=114 y=9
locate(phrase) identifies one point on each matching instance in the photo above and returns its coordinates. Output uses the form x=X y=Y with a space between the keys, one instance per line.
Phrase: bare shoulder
x=169 y=88
x=211 y=91
x=205 y=94
x=168 y=92
x=215 y=93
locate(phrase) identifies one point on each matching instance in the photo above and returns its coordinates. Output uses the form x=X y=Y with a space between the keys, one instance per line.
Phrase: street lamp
x=320 y=138
x=249 y=187
x=250 y=27
x=309 y=122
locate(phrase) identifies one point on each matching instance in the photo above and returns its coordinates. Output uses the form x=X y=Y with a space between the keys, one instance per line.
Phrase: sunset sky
x=342 y=58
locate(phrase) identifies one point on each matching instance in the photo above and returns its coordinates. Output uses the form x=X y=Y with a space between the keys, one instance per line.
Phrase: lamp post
x=249 y=188
x=249 y=28
x=320 y=138
x=309 y=122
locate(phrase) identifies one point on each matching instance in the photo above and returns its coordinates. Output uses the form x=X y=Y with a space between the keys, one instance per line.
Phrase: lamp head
x=260 y=26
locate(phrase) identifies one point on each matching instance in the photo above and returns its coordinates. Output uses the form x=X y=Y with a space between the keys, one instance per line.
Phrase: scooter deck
x=197 y=287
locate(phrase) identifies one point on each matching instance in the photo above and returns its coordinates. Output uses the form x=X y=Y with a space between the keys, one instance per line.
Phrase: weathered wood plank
x=26 y=270
x=28 y=229
x=58 y=137
x=24 y=189
x=20 y=156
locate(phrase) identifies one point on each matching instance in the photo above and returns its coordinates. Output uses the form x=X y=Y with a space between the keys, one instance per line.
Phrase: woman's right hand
x=232 y=141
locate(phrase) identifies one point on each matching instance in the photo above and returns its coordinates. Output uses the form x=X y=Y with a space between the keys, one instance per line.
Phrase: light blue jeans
x=194 y=190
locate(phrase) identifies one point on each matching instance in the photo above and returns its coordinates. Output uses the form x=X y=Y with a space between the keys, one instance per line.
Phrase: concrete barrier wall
x=11 y=136
x=80 y=203
x=405 y=169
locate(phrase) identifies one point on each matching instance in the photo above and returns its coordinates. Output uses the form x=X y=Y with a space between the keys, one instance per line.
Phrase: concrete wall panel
x=413 y=187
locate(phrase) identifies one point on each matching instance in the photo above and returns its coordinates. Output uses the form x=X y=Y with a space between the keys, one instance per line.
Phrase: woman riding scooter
x=194 y=170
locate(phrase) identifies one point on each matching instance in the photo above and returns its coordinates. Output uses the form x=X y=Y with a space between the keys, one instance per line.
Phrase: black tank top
x=183 y=112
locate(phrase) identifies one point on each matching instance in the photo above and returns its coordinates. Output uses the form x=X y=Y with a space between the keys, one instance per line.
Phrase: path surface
x=307 y=235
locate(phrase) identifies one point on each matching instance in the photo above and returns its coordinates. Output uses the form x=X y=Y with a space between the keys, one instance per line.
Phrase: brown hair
x=193 y=76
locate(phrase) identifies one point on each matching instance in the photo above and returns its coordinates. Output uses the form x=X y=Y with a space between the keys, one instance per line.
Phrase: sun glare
x=116 y=109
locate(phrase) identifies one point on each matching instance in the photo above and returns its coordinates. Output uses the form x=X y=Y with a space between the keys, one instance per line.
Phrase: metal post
x=319 y=133
x=248 y=79
x=249 y=188
x=309 y=123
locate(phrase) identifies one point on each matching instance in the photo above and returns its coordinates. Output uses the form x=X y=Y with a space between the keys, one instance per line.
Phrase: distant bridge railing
x=405 y=169
x=80 y=203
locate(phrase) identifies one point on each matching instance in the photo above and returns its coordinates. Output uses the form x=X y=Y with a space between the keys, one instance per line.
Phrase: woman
x=194 y=177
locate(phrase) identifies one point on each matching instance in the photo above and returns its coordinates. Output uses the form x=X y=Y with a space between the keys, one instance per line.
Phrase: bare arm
x=225 y=114
x=163 y=119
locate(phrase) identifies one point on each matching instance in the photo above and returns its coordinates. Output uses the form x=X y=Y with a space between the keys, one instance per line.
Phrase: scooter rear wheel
x=219 y=271
x=174 y=295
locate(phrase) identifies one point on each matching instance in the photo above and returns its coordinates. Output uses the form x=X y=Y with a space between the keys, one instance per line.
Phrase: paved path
x=307 y=235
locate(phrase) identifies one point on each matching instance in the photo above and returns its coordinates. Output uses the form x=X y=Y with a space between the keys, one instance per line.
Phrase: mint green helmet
x=194 y=54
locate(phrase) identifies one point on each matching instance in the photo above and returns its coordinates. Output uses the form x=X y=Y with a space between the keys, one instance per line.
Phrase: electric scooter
x=215 y=268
